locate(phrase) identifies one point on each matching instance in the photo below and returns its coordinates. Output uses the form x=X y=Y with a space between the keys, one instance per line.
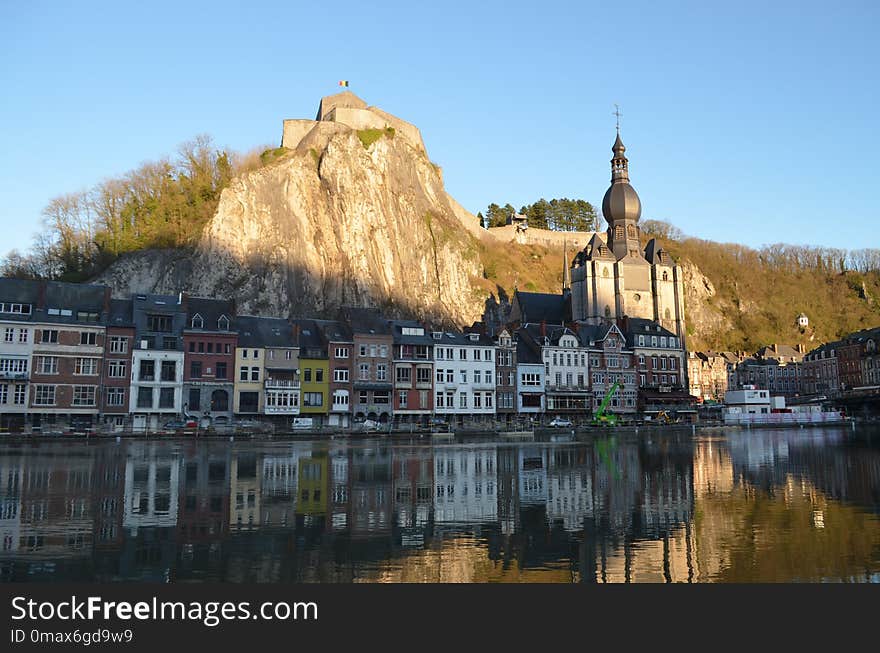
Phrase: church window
x=618 y=232
x=607 y=310
x=667 y=314
x=637 y=297
x=631 y=231
x=665 y=275
x=605 y=272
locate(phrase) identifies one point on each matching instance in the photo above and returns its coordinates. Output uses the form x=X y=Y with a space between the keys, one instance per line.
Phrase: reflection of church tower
x=613 y=277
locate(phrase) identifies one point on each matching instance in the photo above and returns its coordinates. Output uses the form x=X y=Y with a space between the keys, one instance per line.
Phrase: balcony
x=286 y=384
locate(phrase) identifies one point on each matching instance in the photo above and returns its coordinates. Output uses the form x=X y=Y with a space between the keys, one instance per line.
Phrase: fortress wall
x=574 y=240
x=409 y=130
x=376 y=119
x=294 y=130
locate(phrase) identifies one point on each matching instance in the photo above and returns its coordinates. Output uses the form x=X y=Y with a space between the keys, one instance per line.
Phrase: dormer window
x=198 y=322
x=474 y=336
x=223 y=323
x=437 y=335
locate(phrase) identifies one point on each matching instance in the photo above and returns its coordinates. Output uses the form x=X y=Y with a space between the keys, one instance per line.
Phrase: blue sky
x=744 y=122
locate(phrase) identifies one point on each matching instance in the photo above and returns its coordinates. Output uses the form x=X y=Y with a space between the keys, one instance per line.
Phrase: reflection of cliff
x=794 y=534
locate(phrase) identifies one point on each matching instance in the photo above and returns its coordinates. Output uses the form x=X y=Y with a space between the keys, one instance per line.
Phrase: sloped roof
x=538 y=307
x=255 y=331
x=210 y=311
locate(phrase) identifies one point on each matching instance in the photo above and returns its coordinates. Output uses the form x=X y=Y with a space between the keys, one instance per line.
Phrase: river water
x=719 y=505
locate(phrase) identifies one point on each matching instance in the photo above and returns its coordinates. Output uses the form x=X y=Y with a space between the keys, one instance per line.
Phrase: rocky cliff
x=339 y=220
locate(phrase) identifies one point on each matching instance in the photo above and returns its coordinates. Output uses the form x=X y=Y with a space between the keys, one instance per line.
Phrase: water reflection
x=742 y=506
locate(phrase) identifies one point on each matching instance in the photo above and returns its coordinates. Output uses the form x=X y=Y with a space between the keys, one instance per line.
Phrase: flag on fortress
x=343 y=82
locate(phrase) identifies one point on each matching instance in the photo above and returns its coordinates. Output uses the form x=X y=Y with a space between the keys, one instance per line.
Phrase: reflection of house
x=370 y=490
x=569 y=489
x=279 y=486
x=313 y=481
x=56 y=507
x=11 y=474
x=108 y=498
x=340 y=488
x=244 y=490
x=532 y=470
x=465 y=482
x=204 y=495
x=151 y=487
x=413 y=493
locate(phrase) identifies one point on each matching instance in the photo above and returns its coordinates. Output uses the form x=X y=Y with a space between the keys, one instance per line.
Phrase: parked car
x=188 y=423
x=560 y=422
x=370 y=425
x=439 y=424
x=250 y=425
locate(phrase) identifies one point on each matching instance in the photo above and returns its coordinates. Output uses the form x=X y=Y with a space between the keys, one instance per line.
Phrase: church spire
x=619 y=162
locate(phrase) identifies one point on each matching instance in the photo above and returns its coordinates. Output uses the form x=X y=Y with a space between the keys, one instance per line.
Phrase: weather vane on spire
x=617 y=115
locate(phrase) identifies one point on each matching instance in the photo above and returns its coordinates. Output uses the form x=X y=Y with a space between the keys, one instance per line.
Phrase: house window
x=255 y=374
x=462 y=354
x=243 y=374
x=221 y=370
x=364 y=371
x=341 y=352
x=362 y=397
x=381 y=372
x=86 y=367
x=145 y=398
x=20 y=394
x=462 y=400
x=423 y=375
x=403 y=398
x=383 y=351
x=223 y=323
x=478 y=400
x=340 y=375
x=49 y=336
x=84 y=395
x=169 y=342
x=403 y=374
x=116 y=369
x=195 y=369
x=10 y=335
x=198 y=322
x=147 y=371
x=118 y=345
x=439 y=375
x=313 y=399
x=489 y=400
x=169 y=371
x=319 y=375
x=159 y=323
x=372 y=351
x=45 y=365
x=115 y=396
x=88 y=338
x=478 y=376
x=44 y=395
x=166 y=397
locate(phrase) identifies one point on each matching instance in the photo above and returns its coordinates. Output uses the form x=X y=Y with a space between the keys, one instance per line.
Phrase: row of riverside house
x=850 y=364
x=72 y=357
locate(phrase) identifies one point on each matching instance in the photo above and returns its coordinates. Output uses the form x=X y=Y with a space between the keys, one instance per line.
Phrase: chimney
x=183 y=300
x=543 y=328
x=108 y=294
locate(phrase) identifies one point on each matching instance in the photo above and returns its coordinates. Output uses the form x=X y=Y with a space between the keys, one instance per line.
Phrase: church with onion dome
x=613 y=277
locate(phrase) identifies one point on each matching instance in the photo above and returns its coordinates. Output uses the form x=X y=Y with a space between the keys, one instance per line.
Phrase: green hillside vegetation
x=160 y=204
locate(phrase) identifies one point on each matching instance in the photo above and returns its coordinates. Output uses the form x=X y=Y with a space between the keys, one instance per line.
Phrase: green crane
x=601 y=418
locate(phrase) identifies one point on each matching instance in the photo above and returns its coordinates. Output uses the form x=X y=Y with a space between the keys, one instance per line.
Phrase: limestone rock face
x=331 y=223
x=704 y=315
